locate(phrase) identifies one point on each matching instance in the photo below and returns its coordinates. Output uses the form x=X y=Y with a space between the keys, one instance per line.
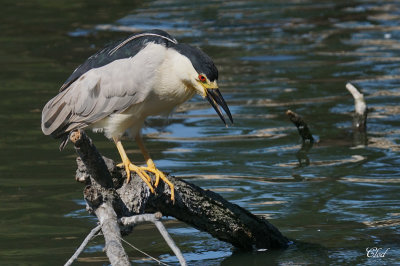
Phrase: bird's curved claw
x=139 y=171
x=160 y=175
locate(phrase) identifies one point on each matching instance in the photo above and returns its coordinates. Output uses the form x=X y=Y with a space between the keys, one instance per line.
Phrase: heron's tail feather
x=64 y=141
x=57 y=118
x=55 y=115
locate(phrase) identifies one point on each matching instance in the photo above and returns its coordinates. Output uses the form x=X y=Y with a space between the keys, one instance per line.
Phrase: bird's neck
x=173 y=80
x=172 y=95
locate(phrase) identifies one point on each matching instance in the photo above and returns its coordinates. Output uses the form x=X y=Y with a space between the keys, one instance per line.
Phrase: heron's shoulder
x=121 y=49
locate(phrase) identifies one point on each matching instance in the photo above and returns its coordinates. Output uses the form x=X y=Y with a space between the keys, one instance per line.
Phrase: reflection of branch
x=302 y=154
x=360 y=115
x=305 y=134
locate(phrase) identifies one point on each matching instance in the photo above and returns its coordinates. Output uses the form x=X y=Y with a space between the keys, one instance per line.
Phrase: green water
x=272 y=56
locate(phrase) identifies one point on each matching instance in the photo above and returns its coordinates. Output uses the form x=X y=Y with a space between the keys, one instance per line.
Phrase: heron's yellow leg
x=151 y=167
x=131 y=167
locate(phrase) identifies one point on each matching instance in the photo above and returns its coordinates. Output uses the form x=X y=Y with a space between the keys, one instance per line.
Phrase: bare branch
x=359 y=102
x=144 y=253
x=154 y=218
x=359 y=117
x=112 y=235
x=83 y=245
x=360 y=108
x=140 y=218
x=170 y=242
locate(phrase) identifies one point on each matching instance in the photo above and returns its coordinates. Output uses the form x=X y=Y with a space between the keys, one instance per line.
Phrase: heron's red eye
x=202 y=78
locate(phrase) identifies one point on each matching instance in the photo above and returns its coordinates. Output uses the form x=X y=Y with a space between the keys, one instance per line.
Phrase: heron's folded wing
x=103 y=91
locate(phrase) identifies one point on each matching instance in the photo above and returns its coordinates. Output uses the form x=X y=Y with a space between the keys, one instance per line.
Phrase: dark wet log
x=202 y=209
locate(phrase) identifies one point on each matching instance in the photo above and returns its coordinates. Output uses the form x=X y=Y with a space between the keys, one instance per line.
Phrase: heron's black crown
x=201 y=62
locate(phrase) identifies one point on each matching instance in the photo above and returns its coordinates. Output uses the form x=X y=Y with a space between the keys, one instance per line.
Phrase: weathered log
x=202 y=209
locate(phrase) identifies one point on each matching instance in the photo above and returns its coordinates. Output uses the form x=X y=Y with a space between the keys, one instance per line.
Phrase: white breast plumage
x=161 y=88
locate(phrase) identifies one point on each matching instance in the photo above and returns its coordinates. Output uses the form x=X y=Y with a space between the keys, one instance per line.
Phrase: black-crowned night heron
x=117 y=88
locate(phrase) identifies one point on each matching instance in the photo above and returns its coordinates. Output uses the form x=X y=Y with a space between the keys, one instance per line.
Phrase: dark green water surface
x=272 y=56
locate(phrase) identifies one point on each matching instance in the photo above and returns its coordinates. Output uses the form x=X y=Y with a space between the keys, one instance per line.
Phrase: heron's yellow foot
x=138 y=170
x=160 y=175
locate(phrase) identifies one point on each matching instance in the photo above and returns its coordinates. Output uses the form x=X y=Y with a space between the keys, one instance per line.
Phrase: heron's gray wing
x=102 y=91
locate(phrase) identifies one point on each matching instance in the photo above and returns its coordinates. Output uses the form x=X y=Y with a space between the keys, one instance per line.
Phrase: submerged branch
x=305 y=133
x=360 y=108
x=359 y=117
x=301 y=125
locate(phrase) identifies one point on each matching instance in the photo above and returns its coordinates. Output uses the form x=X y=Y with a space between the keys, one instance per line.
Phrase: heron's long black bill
x=215 y=98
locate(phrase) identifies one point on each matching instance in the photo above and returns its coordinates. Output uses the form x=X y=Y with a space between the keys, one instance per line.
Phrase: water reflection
x=272 y=58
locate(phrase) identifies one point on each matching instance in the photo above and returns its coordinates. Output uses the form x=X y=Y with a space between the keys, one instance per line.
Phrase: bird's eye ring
x=202 y=78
